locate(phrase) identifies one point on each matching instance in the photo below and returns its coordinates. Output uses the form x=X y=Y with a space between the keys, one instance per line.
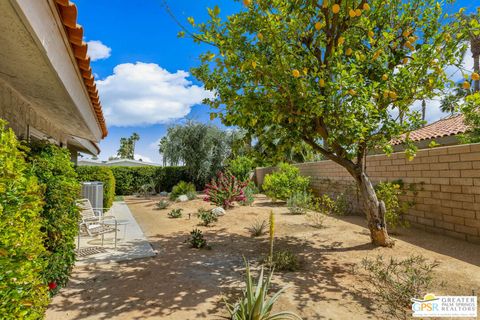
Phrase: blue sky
x=139 y=62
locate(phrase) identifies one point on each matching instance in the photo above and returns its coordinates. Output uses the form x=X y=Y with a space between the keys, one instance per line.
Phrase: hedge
x=102 y=174
x=56 y=173
x=23 y=291
x=130 y=179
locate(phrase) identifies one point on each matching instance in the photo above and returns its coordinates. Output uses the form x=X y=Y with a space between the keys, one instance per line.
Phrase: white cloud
x=432 y=109
x=97 y=50
x=454 y=73
x=146 y=94
x=433 y=112
x=143 y=158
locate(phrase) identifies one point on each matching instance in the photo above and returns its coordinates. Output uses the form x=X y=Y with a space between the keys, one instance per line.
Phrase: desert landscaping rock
x=182 y=198
x=219 y=211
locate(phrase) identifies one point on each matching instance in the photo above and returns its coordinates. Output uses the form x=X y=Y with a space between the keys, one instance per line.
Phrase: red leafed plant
x=225 y=189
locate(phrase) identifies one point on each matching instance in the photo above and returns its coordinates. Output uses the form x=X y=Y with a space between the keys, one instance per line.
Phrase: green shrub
x=395 y=282
x=284 y=182
x=241 y=167
x=224 y=190
x=171 y=176
x=299 y=202
x=162 y=204
x=124 y=180
x=130 y=179
x=175 y=213
x=181 y=188
x=257 y=228
x=255 y=303
x=191 y=195
x=388 y=192
x=207 y=217
x=316 y=219
x=197 y=240
x=249 y=193
x=102 y=174
x=324 y=204
x=56 y=173
x=147 y=189
x=23 y=291
x=284 y=260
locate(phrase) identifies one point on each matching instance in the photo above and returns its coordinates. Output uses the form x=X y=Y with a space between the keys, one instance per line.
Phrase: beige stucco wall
x=444 y=184
x=20 y=114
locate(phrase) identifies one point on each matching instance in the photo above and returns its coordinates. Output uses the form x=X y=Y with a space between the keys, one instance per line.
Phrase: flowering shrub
x=225 y=189
x=60 y=215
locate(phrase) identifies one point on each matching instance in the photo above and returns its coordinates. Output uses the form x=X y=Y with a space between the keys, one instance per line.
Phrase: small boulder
x=182 y=198
x=164 y=194
x=218 y=211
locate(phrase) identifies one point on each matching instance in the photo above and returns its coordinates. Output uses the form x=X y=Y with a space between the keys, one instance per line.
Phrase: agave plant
x=255 y=305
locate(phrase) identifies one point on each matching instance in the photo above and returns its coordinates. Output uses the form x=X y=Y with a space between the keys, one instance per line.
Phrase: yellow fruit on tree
x=376 y=54
x=358 y=12
x=366 y=7
x=392 y=95
x=405 y=60
x=370 y=34
x=296 y=73
x=385 y=77
x=409 y=45
x=321 y=83
x=466 y=85
x=318 y=26
x=335 y=8
x=254 y=64
x=341 y=40
x=352 y=92
x=260 y=36
x=305 y=71
x=352 y=13
x=385 y=94
x=475 y=76
x=406 y=33
x=412 y=39
x=348 y=52
x=247 y=3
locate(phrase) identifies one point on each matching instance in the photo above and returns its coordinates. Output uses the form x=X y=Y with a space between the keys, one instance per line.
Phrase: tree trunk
x=475 y=48
x=374 y=210
x=424 y=110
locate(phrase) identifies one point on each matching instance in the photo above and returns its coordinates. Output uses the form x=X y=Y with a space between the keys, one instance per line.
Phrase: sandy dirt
x=185 y=283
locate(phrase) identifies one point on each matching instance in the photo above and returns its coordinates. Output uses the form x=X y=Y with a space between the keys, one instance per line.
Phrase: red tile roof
x=68 y=14
x=444 y=127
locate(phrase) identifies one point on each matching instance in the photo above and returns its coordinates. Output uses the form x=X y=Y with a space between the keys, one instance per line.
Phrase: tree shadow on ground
x=442 y=244
x=180 y=278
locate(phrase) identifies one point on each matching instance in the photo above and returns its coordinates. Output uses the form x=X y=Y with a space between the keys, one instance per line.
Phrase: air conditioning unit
x=93 y=191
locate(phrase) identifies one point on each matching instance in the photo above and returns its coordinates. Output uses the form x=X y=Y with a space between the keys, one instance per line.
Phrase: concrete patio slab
x=131 y=241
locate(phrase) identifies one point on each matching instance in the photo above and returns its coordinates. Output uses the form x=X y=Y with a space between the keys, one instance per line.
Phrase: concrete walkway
x=131 y=242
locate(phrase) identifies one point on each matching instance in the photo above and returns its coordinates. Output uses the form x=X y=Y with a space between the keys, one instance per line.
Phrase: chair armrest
x=90 y=219
x=109 y=218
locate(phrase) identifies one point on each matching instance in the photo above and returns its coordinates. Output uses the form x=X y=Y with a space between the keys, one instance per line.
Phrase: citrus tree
x=335 y=74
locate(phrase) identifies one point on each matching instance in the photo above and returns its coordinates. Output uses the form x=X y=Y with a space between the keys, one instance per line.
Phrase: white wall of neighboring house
x=117 y=163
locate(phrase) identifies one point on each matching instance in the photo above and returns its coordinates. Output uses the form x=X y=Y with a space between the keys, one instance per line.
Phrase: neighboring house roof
x=116 y=162
x=449 y=126
x=68 y=14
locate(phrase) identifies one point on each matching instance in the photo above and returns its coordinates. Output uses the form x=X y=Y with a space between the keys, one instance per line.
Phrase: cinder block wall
x=444 y=184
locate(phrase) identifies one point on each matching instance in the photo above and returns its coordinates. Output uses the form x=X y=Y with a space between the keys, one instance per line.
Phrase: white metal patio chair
x=92 y=222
